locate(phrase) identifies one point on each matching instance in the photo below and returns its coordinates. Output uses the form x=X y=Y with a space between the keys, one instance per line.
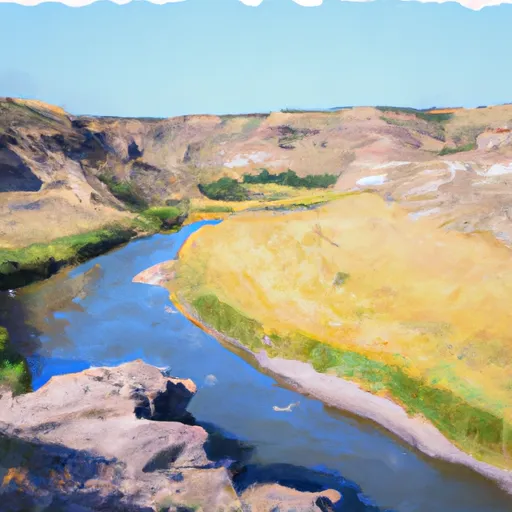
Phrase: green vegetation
x=421 y=114
x=458 y=149
x=125 y=191
x=288 y=207
x=14 y=373
x=167 y=216
x=266 y=187
x=396 y=122
x=467 y=135
x=288 y=135
x=225 y=189
x=340 y=278
x=19 y=267
x=435 y=129
x=477 y=431
x=147 y=224
x=229 y=321
x=213 y=209
x=301 y=111
x=290 y=179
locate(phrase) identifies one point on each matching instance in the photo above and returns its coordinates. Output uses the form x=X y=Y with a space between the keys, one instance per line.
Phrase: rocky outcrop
x=96 y=426
x=276 y=498
x=116 y=439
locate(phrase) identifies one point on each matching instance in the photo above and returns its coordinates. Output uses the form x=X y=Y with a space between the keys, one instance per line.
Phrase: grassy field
x=360 y=290
x=269 y=195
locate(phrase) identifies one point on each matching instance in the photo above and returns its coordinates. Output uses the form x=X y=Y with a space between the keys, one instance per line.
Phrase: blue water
x=108 y=320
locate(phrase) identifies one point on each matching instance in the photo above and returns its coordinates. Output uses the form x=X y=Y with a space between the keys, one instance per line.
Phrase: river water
x=94 y=315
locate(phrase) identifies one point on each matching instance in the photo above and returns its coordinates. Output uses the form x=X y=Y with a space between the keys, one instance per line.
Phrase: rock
x=108 y=439
x=204 y=490
x=276 y=498
x=78 y=441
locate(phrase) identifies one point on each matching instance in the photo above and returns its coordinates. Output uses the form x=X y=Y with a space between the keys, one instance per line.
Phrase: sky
x=222 y=56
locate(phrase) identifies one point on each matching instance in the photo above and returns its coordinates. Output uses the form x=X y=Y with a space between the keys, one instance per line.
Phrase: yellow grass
x=41 y=106
x=290 y=196
x=439 y=300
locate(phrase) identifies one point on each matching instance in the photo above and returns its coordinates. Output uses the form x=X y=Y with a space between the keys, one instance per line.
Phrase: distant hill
x=61 y=170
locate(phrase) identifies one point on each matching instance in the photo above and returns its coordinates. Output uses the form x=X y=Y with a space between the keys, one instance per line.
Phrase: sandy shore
x=342 y=394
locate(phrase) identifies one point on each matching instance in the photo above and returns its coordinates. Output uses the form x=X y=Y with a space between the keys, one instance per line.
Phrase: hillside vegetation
x=362 y=291
x=14 y=373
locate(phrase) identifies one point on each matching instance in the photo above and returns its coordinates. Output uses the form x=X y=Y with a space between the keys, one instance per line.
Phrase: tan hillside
x=50 y=161
x=361 y=290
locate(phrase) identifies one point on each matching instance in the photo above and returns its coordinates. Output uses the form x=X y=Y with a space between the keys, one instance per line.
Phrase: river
x=93 y=315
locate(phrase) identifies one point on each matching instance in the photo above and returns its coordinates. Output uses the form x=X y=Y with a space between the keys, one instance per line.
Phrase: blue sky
x=220 y=56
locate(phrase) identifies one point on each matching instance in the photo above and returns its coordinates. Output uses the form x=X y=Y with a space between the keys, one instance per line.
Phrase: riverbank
x=23 y=266
x=348 y=396
x=94 y=315
x=436 y=420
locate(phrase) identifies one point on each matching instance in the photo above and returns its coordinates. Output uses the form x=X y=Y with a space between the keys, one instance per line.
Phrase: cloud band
x=475 y=5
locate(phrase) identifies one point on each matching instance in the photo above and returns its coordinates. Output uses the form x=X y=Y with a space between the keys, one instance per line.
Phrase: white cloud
x=80 y=3
x=304 y=3
x=309 y=3
x=475 y=5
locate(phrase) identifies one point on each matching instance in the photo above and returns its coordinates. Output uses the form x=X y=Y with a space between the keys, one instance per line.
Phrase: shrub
x=340 y=278
x=14 y=372
x=458 y=149
x=290 y=179
x=225 y=189
x=163 y=213
x=125 y=191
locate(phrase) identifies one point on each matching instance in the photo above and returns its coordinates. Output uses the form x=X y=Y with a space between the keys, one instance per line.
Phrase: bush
x=290 y=179
x=164 y=213
x=167 y=216
x=458 y=149
x=125 y=191
x=14 y=373
x=225 y=189
x=340 y=278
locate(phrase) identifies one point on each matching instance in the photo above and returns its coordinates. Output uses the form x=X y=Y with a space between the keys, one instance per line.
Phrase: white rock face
x=244 y=160
x=499 y=170
x=372 y=180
